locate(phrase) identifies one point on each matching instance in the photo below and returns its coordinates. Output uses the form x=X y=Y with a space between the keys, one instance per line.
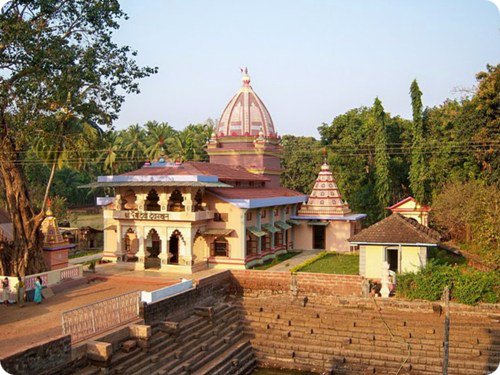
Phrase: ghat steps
x=211 y=341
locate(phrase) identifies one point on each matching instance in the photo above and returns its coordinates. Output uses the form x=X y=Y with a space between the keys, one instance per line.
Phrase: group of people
x=20 y=289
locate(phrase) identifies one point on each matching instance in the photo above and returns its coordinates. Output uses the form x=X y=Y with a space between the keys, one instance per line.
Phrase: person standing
x=5 y=290
x=38 y=290
x=20 y=291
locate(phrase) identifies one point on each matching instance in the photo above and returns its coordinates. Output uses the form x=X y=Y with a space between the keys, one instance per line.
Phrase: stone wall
x=41 y=359
x=298 y=283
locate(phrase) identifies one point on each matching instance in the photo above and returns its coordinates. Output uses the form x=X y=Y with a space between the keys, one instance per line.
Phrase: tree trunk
x=25 y=255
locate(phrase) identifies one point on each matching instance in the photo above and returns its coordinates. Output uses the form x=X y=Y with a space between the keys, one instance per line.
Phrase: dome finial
x=245 y=77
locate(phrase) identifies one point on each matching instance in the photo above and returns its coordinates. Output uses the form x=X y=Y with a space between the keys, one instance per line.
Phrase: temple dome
x=245 y=114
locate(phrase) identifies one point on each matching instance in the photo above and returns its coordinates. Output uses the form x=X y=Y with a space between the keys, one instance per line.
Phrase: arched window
x=129 y=200
x=198 y=200
x=152 y=201
x=175 y=202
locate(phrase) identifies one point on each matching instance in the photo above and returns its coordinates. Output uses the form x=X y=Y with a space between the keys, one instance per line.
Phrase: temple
x=230 y=212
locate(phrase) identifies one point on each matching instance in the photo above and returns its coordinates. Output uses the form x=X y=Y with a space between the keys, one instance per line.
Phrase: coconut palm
x=157 y=135
x=134 y=144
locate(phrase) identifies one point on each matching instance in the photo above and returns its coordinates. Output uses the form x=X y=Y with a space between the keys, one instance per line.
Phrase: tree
x=157 y=136
x=301 y=162
x=417 y=166
x=382 y=176
x=61 y=74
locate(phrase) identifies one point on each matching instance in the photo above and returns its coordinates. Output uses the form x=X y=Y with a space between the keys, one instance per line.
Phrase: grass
x=334 y=263
x=83 y=253
x=280 y=258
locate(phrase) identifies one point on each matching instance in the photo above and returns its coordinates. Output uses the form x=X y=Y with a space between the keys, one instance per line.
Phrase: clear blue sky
x=309 y=60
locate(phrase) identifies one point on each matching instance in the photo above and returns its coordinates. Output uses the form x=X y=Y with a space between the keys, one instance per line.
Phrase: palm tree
x=113 y=144
x=157 y=136
x=133 y=144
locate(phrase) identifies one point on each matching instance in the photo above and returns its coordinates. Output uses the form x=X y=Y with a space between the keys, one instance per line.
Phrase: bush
x=473 y=286
x=467 y=285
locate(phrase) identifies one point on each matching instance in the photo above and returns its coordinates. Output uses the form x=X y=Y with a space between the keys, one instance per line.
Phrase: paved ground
x=22 y=327
x=295 y=261
x=84 y=259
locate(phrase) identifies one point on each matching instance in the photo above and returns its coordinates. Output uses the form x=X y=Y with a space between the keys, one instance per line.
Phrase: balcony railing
x=163 y=215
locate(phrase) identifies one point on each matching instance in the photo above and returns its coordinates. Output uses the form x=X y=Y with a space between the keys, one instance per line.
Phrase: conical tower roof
x=325 y=199
x=245 y=114
x=52 y=237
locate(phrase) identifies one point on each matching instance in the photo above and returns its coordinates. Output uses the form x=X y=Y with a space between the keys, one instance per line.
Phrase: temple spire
x=245 y=77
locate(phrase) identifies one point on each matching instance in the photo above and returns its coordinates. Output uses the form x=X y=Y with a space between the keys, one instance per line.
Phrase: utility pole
x=446 y=329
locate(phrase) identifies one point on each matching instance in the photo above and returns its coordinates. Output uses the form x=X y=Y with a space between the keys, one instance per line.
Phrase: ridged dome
x=246 y=114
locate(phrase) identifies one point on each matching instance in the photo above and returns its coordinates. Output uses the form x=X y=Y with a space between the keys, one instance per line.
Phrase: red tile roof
x=223 y=172
x=254 y=193
x=397 y=229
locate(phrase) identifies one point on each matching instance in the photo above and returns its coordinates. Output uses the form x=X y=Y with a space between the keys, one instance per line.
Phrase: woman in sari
x=38 y=290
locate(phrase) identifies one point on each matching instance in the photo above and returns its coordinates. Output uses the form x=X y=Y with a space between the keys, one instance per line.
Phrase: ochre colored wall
x=375 y=255
x=410 y=259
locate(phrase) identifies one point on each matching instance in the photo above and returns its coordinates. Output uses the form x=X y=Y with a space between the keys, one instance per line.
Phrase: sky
x=309 y=60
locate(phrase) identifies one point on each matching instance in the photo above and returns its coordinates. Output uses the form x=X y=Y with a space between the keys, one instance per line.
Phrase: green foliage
x=302 y=160
x=468 y=214
x=353 y=158
x=442 y=257
x=382 y=176
x=474 y=286
x=418 y=159
x=428 y=283
x=467 y=285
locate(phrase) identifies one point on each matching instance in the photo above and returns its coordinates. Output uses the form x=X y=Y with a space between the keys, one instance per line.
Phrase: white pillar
x=141 y=254
x=119 y=252
x=164 y=247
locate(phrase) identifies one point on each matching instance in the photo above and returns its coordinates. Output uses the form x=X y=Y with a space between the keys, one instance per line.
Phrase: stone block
x=140 y=331
x=99 y=351
x=129 y=345
x=169 y=327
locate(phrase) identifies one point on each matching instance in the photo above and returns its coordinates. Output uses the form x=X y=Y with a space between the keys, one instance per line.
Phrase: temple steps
x=201 y=343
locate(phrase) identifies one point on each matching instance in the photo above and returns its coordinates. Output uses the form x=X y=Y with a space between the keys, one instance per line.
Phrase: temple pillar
x=188 y=200
x=119 y=252
x=141 y=201
x=141 y=254
x=163 y=247
x=118 y=202
x=163 y=202
x=258 y=224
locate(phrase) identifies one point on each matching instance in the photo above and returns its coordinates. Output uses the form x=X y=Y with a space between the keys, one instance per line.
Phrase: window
x=152 y=201
x=249 y=216
x=220 y=248
x=276 y=212
x=222 y=217
x=263 y=213
x=175 y=201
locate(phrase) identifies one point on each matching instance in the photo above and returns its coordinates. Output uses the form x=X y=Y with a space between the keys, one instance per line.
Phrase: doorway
x=173 y=248
x=392 y=256
x=318 y=237
x=153 y=247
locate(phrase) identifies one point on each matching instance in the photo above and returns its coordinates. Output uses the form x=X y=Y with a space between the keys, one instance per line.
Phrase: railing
x=85 y=321
x=163 y=215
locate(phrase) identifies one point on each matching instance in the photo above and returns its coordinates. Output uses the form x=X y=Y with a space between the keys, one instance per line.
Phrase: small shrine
x=55 y=246
x=412 y=209
x=326 y=219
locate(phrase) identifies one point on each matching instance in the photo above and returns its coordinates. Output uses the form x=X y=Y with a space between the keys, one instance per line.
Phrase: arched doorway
x=153 y=247
x=131 y=245
x=173 y=247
